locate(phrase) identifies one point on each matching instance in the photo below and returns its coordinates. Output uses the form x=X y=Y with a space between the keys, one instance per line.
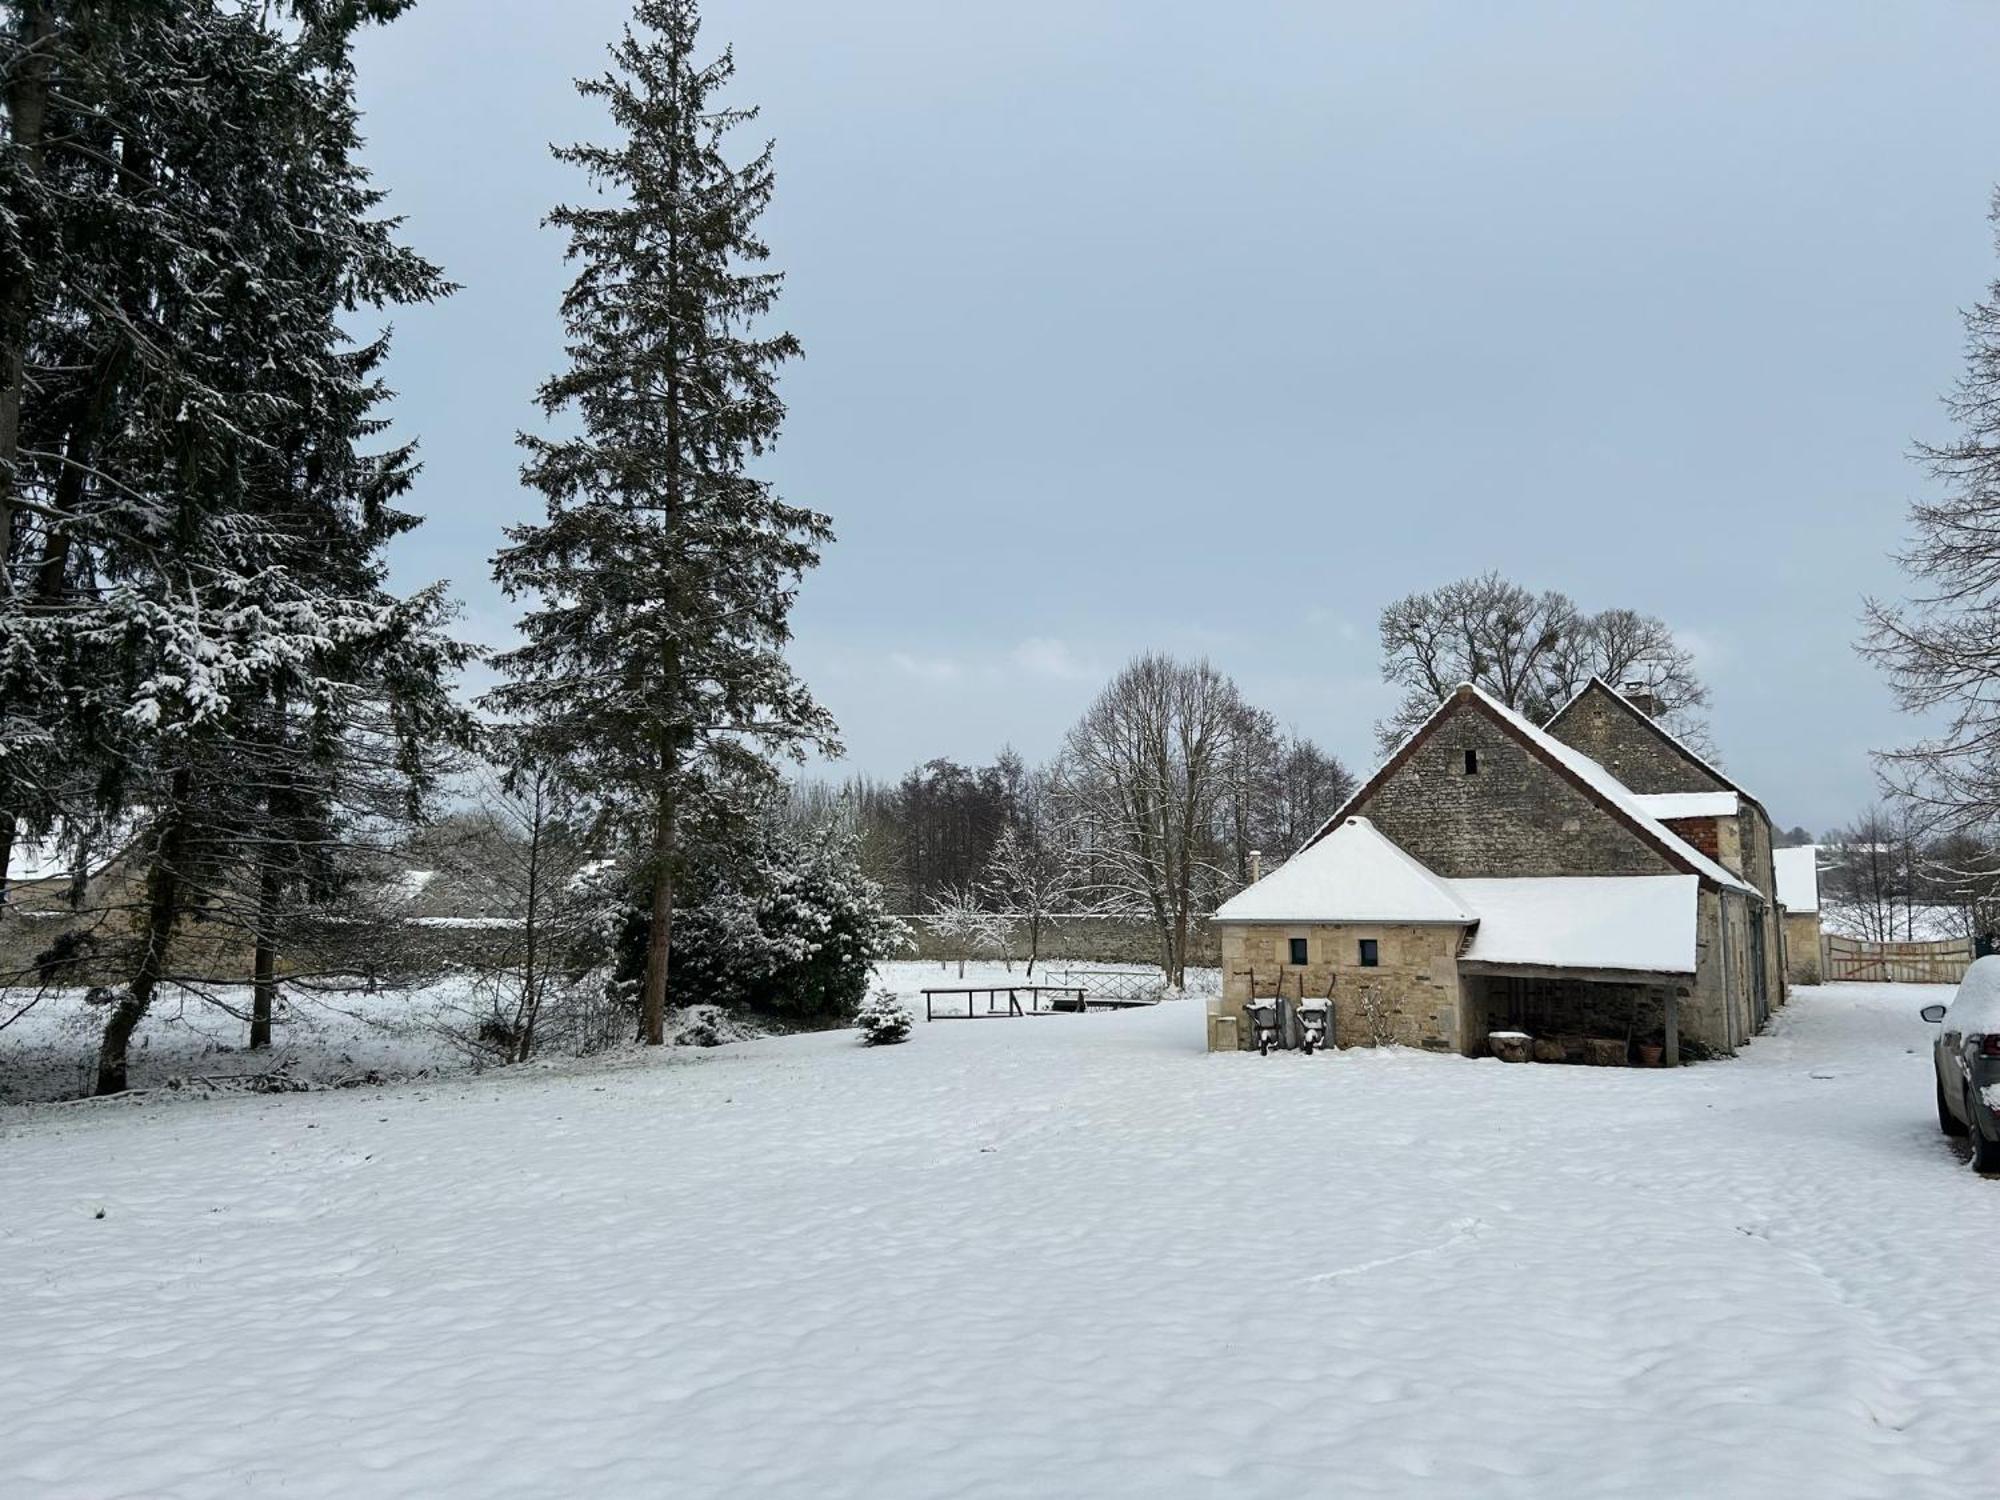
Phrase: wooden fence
x=1851 y=960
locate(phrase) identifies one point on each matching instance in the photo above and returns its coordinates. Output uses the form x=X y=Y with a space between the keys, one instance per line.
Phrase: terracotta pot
x=1651 y=1054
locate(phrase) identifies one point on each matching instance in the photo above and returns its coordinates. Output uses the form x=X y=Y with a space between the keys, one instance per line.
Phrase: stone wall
x=1717 y=1015
x=1609 y=731
x=1517 y=816
x=1759 y=867
x=1602 y=727
x=1079 y=939
x=1802 y=947
x=1411 y=998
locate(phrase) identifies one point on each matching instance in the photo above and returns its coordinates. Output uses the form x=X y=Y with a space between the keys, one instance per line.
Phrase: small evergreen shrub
x=775 y=921
x=883 y=1019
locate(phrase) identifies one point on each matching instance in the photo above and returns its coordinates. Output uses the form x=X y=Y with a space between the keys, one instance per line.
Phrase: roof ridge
x=1614 y=794
x=1386 y=872
x=1416 y=865
x=1602 y=787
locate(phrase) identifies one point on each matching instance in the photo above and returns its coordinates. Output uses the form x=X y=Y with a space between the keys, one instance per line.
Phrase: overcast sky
x=1140 y=323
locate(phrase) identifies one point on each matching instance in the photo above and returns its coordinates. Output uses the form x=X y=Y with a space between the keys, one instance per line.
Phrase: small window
x=1472 y=762
x=1299 y=952
x=1371 y=955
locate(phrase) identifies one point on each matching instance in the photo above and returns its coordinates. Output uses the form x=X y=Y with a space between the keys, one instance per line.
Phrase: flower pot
x=1651 y=1054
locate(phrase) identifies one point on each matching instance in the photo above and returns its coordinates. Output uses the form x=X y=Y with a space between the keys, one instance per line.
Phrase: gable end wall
x=1605 y=731
x=1517 y=817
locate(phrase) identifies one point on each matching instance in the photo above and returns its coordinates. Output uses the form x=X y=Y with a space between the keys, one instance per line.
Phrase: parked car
x=1966 y=1059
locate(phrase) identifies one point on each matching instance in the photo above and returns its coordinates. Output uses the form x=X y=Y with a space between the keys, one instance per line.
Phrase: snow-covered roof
x=1354 y=874
x=1639 y=922
x=1798 y=877
x=1613 y=791
x=1669 y=805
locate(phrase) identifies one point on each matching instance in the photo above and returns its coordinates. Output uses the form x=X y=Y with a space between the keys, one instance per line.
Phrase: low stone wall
x=1802 y=947
x=1084 y=939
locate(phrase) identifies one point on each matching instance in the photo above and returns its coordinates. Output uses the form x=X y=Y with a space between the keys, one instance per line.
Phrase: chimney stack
x=1256 y=865
x=1642 y=698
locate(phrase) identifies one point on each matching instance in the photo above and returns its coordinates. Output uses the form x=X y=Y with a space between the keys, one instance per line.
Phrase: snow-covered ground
x=327 y=1036
x=1055 y=1256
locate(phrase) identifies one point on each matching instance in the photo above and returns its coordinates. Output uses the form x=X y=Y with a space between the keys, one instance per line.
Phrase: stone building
x=1798 y=895
x=1495 y=875
x=1694 y=799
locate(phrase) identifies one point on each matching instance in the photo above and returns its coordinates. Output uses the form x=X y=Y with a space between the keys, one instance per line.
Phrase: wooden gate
x=1853 y=960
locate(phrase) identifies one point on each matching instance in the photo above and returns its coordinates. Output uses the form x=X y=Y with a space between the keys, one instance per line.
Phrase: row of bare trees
x=1150 y=810
x=1891 y=876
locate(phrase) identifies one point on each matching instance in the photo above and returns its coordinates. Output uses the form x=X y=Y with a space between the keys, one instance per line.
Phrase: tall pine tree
x=196 y=629
x=652 y=672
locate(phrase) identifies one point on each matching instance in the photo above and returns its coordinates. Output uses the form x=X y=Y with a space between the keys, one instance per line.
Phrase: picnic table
x=1020 y=1000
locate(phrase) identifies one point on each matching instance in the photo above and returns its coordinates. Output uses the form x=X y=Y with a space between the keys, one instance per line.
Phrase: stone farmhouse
x=1591 y=882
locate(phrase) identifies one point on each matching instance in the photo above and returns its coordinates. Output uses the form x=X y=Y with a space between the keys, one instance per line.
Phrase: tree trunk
x=524 y=1029
x=264 y=987
x=1180 y=945
x=1034 y=941
x=653 y=1010
x=8 y=825
x=79 y=877
x=163 y=885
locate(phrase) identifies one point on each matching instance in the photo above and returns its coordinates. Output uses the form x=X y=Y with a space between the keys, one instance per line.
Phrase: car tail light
x=1989 y=1045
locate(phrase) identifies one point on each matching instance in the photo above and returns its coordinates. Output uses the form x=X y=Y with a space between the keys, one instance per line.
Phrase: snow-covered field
x=325 y=1037
x=1055 y=1256
x=332 y=1037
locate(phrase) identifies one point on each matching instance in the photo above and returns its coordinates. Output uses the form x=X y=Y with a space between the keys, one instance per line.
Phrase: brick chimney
x=1256 y=865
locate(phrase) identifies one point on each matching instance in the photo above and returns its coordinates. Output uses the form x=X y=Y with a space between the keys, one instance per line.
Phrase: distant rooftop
x=1798 y=877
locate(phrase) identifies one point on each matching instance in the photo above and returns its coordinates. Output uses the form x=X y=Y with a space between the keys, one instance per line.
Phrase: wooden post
x=1671 y=1053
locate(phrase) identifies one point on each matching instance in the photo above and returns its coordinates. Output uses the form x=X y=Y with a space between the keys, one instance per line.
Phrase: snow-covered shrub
x=967 y=929
x=777 y=920
x=883 y=1019
x=708 y=1026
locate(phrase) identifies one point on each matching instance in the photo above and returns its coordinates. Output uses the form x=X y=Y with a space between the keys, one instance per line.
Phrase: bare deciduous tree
x=1282 y=789
x=965 y=926
x=1941 y=649
x=1531 y=651
x=1034 y=872
x=1147 y=771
